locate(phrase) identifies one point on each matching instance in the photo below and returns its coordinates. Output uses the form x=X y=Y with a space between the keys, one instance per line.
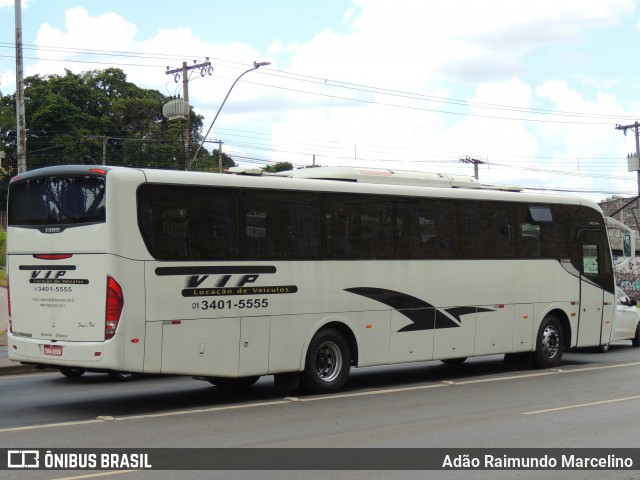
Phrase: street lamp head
x=256 y=65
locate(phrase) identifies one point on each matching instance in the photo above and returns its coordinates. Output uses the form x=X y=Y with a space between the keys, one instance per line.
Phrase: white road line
x=289 y=400
x=97 y=474
x=581 y=405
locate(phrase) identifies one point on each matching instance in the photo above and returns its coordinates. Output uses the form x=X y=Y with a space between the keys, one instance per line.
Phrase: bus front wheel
x=327 y=363
x=636 y=339
x=549 y=343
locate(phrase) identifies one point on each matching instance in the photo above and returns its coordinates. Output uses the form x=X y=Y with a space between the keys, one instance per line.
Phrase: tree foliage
x=278 y=167
x=95 y=117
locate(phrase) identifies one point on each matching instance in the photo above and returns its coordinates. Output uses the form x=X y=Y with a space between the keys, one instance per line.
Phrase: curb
x=19 y=369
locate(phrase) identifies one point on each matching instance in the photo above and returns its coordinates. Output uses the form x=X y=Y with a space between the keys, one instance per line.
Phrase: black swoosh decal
x=418 y=311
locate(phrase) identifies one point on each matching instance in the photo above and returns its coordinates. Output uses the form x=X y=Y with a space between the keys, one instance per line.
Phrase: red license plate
x=53 y=350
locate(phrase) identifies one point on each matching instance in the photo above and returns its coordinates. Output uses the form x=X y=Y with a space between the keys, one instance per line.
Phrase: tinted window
x=57 y=201
x=189 y=223
x=425 y=228
x=358 y=227
x=209 y=223
x=215 y=223
x=486 y=230
x=280 y=225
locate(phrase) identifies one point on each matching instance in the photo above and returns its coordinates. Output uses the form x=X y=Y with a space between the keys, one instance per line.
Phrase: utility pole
x=220 y=155
x=475 y=162
x=104 y=149
x=184 y=71
x=21 y=123
x=624 y=129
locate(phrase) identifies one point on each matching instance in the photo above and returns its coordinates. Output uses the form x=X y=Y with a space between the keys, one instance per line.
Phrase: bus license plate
x=53 y=350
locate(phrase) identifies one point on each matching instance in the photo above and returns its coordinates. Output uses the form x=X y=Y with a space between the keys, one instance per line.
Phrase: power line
x=342 y=85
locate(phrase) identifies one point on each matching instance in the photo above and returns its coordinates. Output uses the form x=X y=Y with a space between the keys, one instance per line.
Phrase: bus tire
x=239 y=382
x=327 y=363
x=549 y=343
x=635 y=341
x=72 y=372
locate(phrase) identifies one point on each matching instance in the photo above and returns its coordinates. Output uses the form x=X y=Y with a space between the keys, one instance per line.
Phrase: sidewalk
x=8 y=367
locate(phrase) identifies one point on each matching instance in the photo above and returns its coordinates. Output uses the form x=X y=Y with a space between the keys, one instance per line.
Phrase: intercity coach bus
x=231 y=277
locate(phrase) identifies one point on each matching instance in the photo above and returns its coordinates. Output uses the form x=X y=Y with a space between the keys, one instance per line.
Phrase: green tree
x=85 y=118
x=278 y=167
x=210 y=162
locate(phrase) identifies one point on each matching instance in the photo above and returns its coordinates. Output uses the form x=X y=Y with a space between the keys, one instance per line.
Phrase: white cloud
x=397 y=42
x=108 y=32
x=429 y=48
x=11 y=3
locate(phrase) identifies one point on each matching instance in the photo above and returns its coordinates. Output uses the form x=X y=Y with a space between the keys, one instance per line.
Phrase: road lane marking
x=98 y=474
x=581 y=405
x=287 y=400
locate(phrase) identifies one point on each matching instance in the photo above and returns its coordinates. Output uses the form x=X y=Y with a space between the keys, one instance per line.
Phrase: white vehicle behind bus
x=232 y=277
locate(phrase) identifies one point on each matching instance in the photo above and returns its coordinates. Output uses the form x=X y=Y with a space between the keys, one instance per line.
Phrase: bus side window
x=337 y=233
x=498 y=219
x=472 y=236
x=281 y=225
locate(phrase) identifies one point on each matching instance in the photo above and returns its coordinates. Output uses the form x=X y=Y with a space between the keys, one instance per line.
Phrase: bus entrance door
x=593 y=276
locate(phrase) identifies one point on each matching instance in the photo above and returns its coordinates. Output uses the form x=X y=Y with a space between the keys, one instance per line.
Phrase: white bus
x=230 y=277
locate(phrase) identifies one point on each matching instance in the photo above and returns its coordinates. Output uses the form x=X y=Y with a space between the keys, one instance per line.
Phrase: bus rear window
x=68 y=200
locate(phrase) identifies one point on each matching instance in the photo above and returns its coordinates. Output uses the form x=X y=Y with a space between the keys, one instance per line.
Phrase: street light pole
x=256 y=65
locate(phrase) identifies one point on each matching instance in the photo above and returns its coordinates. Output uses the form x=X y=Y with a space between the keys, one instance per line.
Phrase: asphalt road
x=590 y=401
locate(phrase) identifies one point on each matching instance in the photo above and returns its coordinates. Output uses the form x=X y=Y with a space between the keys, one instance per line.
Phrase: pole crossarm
x=624 y=129
x=475 y=163
x=205 y=68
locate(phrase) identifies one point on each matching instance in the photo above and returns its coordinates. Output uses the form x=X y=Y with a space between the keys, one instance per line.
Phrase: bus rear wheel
x=549 y=343
x=327 y=363
x=72 y=372
x=239 y=382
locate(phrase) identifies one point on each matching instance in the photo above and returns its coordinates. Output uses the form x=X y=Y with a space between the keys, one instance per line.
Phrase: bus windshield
x=57 y=200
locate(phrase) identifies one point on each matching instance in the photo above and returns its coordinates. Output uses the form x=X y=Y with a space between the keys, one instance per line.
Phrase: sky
x=533 y=90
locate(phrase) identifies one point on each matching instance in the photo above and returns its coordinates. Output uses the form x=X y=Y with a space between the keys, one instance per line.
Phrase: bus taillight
x=115 y=302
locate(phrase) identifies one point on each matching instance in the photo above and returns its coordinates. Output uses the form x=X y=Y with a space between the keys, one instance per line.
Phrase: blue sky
x=533 y=89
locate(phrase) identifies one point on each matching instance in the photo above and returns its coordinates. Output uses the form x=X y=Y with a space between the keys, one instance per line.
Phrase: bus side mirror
x=628 y=243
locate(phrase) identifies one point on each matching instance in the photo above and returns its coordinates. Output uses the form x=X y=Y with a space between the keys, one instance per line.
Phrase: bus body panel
x=58 y=299
x=201 y=346
x=75 y=319
x=260 y=325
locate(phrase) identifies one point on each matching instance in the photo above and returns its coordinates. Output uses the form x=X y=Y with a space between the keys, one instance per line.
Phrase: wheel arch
x=563 y=318
x=565 y=323
x=342 y=326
